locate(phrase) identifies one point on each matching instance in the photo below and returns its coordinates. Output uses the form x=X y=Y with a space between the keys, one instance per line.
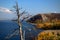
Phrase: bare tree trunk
x=19 y=23
x=20 y=29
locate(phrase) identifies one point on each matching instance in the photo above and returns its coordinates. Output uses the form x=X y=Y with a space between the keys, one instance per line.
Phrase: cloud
x=5 y=10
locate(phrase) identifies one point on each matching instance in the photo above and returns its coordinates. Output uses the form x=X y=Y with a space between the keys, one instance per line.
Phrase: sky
x=33 y=7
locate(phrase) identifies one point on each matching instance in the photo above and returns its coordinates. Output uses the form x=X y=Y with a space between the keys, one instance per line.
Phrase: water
x=8 y=27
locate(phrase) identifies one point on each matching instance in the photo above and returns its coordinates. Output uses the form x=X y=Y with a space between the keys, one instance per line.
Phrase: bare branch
x=24 y=12
x=13 y=34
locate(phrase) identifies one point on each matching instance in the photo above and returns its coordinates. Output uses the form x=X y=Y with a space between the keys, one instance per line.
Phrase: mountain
x=45 y=17
x=46 y=21
x=53 y=16
x=34 y=18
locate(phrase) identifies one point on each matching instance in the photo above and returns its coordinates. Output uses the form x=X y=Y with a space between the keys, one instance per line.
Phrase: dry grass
x=49 y=35
x=48 y=24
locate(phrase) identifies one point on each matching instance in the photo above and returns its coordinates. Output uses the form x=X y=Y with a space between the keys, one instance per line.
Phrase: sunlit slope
x=49 y=35
x=46 y=21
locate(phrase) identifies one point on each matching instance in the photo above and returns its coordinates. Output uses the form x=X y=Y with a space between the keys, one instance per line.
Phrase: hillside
x=46 y=21
x=50 y=16
x=49 y=35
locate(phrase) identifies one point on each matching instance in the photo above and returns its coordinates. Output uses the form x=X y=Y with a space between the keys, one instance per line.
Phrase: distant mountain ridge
x=45 y=16
x=53 y=16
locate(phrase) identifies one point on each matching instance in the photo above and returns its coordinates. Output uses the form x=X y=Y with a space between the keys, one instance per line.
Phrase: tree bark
x=20 y=28
x=19 y=23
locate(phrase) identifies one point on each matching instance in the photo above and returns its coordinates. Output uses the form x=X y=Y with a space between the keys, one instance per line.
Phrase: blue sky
x=31 y=6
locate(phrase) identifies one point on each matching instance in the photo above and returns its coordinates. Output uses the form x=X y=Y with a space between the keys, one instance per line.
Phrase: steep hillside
x=50 y=16
x=53 y=16
x=34 y=18
x=46 y=21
